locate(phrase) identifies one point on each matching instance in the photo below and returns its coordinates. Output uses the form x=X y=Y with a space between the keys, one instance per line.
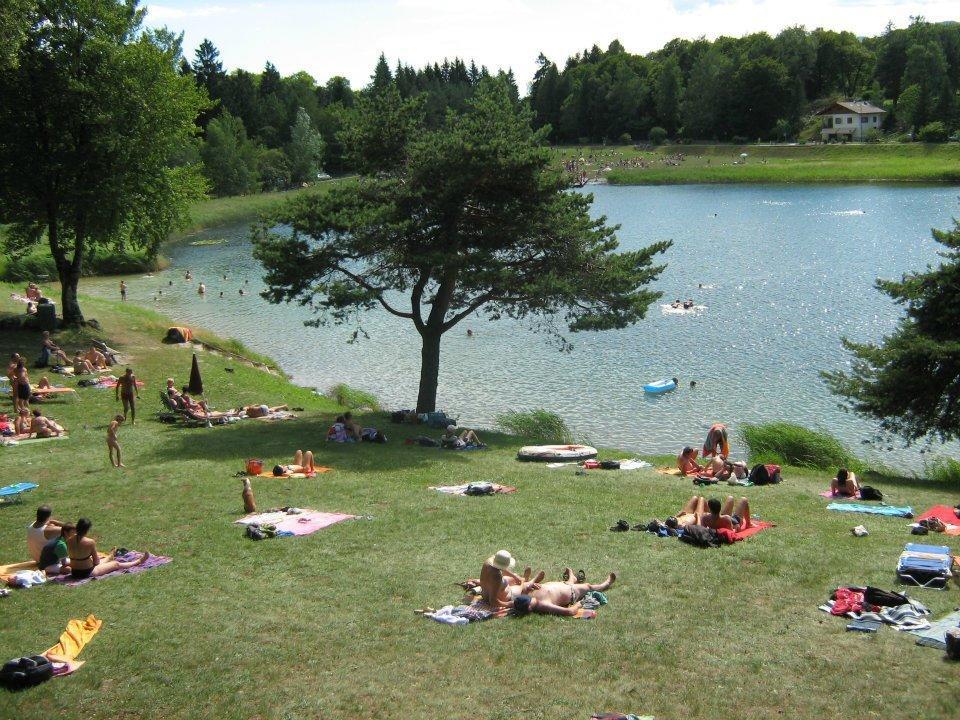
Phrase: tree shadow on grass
x=277 y=441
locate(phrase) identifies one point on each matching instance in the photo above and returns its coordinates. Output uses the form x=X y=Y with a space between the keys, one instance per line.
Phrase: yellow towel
x=75 y=637
x=668 y=471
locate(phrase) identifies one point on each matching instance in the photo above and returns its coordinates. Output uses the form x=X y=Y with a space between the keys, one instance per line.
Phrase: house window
x=838 y=120
x=863 y=118
x=849 y=119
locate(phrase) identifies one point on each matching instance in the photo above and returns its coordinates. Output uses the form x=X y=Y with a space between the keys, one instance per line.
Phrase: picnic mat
x=828 y=494
x=934 y=636
x=888 y=510
x=943 y=513
x=296 y=475
x=462 y=489
x=478 y=611
x=305 y=523
x=755 y=527
x=155 y=561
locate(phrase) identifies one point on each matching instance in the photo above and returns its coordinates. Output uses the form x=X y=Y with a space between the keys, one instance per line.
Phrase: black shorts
x=23 y=391
x=80 y=574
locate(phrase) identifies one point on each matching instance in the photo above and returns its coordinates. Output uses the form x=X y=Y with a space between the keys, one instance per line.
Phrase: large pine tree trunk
x=429 y=372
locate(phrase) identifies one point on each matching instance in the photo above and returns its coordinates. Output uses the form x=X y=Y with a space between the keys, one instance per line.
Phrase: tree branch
x=359 y=280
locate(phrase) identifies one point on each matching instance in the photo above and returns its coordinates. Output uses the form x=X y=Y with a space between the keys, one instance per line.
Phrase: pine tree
x=305 y=149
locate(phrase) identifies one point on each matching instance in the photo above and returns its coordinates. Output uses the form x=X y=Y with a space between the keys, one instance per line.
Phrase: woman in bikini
x=44 y=427
x=21 y=386
x=86 y=562
x=845 y=483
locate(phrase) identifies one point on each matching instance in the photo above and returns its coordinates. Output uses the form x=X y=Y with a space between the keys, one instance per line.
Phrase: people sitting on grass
x=41 y=531
x=54 y=556
x=497 y=575
x=845 y=483
x=50 y=352
x=32 y=292
x=687 y=462
x=466 y=439
x=338 y=431
x=302 y=463
x=81 y=366
x=731 y=515
x=44 y=427
x=354 y=431
x=86 y=562
x=23 y=423
x=96 y=358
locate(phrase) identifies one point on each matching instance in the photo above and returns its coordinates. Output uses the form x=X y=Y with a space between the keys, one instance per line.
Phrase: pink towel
x=153 y=562
x=309 y=522
x=841 y=496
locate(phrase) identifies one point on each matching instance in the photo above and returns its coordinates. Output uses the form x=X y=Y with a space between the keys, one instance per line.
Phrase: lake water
x=786 y=271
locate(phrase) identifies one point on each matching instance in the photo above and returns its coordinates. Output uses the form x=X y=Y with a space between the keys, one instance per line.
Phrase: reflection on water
x=785 y=272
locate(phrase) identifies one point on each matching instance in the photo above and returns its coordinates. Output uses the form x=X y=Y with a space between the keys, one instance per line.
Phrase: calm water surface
x=786 y=271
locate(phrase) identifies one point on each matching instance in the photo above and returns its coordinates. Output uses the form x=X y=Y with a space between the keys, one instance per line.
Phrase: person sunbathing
x=44 y=383
x=302 y=463
x=23 y=425
x=96 y=358
x=81 y=366
x=256 y=411
x=86 y=562
x=497 y=575
x=32 y=292
x=453 y=441
x=845 y=483
x=687 y=462
x=556 y=598
x=717 y=469
x=354 y=431
x=691 y=513
x=732 y=515
x=44 y=427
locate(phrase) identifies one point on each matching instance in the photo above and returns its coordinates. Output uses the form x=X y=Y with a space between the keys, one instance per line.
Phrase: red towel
x=756 y=527
x=946 y=515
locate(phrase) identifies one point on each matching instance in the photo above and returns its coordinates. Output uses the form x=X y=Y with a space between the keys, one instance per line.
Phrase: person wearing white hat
x=497 y=575
x=450 y=439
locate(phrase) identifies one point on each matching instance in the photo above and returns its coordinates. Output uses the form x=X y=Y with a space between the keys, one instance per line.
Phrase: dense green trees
x=467 y=218
x=911 y=381
x=756 y=86
x=93 y=120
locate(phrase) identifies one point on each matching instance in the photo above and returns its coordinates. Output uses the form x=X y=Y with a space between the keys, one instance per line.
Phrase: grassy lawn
x=322 y=626
x=774 y=164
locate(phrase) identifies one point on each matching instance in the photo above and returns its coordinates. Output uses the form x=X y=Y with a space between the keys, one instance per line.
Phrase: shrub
x=541 y=425
x=789 y=444
x=657 y=135
x=739 y=140
x=873 y=135
x=935 y=132
x=625 y=139
x=944 y=470
x=353 y=398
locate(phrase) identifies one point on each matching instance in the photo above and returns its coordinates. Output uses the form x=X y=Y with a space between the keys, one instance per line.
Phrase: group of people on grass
x=61 y=548
x=499 y=587
x=181 y=400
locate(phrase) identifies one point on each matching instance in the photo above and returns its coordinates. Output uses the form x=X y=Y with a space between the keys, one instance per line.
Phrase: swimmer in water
x=221 y=293
x=188 y=276
x=242 y=292
x=676 y=304
x=202 y=290
x=693 y=383
x=469 y=332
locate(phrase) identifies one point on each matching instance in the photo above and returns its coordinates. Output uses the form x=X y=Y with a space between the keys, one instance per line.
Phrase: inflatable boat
x=660 y=386
x=556 y=453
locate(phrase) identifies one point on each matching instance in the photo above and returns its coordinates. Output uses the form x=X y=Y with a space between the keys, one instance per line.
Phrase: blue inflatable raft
x=660 y=386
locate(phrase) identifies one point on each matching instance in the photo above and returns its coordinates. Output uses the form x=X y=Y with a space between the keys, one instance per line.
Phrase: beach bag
x=254 y=467
x=479 y=488
x=765 y=474
x=952 y=639
x=884 y=598
x=25 y=672
x=397 y=416
x=870 y=493
x=609 y=464
x=372 y=435
x=591 y=464
x=699 y=536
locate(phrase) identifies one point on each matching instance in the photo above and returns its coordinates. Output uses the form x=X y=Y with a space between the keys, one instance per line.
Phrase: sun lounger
x=14 y=493
x=926 y=566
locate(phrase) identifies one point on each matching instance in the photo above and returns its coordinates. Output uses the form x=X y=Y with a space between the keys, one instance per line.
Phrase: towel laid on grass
x=155 y=561
x=64 y=654
x=304 y=523
x=669 y=471
x=295 y=475
x=888 y=510
x=755 y=527
x=934 y=635
x=478 y=611
x=462 y=489
x=943 y=513
x=20 y=440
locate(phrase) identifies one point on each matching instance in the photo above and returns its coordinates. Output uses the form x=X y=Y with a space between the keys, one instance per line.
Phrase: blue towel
x=888 y=510
x=933 y=636
x=17 y=489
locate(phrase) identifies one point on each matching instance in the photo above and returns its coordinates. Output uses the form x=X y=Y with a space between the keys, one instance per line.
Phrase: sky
x=345 y=37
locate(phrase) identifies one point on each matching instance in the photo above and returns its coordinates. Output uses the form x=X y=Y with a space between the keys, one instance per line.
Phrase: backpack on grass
x=25 y=672
x=765 y=474
x=870 y=493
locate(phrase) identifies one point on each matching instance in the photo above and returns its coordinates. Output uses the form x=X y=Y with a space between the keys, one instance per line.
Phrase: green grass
x=353 y=398
x=785 y=443
x=322 y=626
x=777 y=164
x=541 y=425
x=944 y=470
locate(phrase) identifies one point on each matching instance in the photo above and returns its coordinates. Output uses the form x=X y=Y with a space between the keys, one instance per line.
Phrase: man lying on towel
x=500 y=587
x=731 y=515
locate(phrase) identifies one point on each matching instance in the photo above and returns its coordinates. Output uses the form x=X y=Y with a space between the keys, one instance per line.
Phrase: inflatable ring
x=556 y=453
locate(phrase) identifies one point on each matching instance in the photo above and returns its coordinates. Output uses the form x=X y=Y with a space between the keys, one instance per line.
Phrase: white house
x=849 y=120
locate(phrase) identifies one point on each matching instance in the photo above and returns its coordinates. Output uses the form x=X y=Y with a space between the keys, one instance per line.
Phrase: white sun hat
x=503 y=560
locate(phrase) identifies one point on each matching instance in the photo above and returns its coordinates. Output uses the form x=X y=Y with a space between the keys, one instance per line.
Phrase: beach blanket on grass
x=935 y=634
x=943 y=513
x=63 y=655
x=462 y=489
x=155 y=561
x=669 y=471
x=305 y=523
x=477 y=611
x=888 y=510
x=756 y=527
x=828 y=494
x=16 y=440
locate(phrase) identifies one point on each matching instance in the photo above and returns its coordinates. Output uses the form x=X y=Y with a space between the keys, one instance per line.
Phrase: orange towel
x=296 y=475
x=75 y=637
x=669 y=471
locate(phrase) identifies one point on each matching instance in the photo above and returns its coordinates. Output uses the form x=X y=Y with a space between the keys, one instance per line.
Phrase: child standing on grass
x=112 y=443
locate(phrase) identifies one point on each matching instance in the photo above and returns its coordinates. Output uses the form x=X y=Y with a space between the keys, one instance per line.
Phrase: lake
x=785 y=273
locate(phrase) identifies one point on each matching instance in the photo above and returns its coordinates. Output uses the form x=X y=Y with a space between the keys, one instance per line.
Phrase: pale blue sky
x=340 y=37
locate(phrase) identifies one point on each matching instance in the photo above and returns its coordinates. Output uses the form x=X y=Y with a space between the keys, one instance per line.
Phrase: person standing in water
x=123 y=291
x=127 y=391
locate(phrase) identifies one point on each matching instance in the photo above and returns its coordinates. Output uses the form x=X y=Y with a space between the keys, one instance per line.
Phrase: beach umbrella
x=196 y=384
